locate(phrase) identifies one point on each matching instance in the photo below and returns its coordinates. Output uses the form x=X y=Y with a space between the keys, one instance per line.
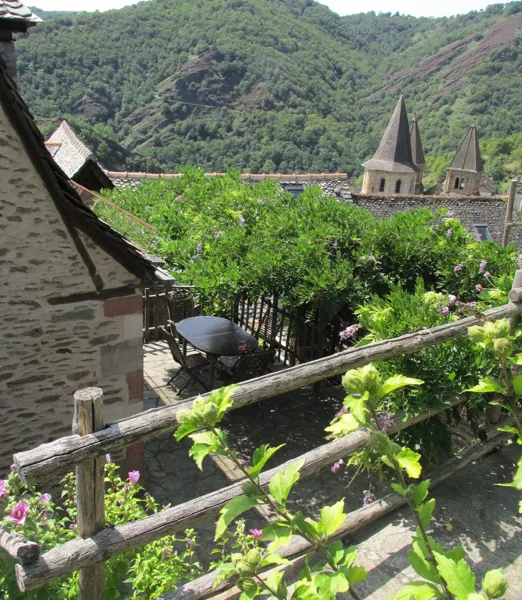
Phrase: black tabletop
x=216 y=336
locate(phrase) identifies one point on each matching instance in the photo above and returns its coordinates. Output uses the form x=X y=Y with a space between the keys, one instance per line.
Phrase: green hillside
x=272 y=85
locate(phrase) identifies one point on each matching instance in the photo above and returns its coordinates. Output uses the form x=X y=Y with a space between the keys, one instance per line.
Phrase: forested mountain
x=273 y=85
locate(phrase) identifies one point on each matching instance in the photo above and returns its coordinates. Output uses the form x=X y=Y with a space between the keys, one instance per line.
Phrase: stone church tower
x=392 y=169
x=465 y=171
x=417 y=154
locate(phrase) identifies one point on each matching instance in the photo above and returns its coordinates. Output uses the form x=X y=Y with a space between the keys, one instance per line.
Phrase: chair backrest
x=252 y=365
x=177 y=354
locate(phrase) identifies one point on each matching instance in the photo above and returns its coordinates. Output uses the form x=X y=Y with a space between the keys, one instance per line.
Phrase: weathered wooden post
x=509 y=212
x=517 y=283
x=90 y=500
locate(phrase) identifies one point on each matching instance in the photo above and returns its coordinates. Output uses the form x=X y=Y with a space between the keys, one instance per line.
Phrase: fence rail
x=74 y=451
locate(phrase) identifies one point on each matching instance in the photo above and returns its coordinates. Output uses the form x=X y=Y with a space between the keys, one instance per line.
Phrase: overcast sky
x=343 y=7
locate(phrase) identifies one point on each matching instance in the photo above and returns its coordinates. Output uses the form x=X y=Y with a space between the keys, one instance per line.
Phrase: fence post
x=90 y=500
x=509 y=212
x=517 y=283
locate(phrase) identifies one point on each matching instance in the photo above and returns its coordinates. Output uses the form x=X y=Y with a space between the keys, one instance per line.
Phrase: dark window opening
x=398 y=186
x=482 y=233
x=457 y=182
x=295 y=190
x=383 y=183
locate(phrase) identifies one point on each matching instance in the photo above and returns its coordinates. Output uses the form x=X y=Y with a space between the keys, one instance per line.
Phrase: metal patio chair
x=190 y=364
x=249 y=366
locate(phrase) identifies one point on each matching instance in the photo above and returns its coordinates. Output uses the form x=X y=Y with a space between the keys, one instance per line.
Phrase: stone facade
x=470 y=211
x=52 y=342
x=462 y=182
x=394 y=183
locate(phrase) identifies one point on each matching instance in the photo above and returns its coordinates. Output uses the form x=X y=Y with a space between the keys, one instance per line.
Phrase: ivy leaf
x=396 y=382
x=330 y=584
x=279 y=534
x=282 y=482
x=424 y=568
x=399 y=489
x=358 y=407
x=379 y=442
x=261 y=456
x=425 y=511
x=335 y=552
x=274 y=559
x=356 y=575
x=458 y=553
x=517 y=359
x=346 y=424
x=517 y=385
x=223 y=399
x=332 y=517
x=517 y=479
x=486 y=385
x=409 y=461
x=231 y=510
x=307 y=525
x=419 y=590
x=274 y=579
x=508 y=429
x=420 y=492
x=458 y=576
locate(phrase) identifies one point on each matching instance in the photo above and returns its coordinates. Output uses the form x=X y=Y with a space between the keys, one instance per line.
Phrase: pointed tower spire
x=416 y=145
x=465 y=171
x=392 y=169
x=394 y=152
x=468 y=156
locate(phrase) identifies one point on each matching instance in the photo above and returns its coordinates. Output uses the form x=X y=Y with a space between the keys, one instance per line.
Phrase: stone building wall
x=468 y=182
x=372 y=182
x=50 y=349
x=470 y=211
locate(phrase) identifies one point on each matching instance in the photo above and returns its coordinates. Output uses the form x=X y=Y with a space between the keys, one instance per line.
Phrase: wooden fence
x=92 y=441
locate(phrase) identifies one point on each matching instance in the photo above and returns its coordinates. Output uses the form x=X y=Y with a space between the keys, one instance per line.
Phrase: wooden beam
x=202 y=588
x=112 y=541
x=62 y=455
x=22 y=550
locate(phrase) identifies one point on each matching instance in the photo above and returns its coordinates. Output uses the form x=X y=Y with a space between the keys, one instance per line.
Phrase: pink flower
x=444 y=311
x=45 y=498
x=257 y=533
x=3 y=489
x=482 y=266
x=19 y=513
x=479 y=288
x=452 y=300
x=165 y=551
x=487 y=275
x=134 y=477
x=336 y=466
x=458 y=268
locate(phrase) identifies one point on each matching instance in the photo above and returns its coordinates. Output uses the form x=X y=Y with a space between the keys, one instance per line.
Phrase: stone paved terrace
x=490 y=530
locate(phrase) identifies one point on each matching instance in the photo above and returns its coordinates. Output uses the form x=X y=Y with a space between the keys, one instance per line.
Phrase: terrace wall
x=51 y=345
x=476 y=210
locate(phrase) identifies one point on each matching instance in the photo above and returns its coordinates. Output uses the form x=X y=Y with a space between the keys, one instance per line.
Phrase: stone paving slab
x=470 y=510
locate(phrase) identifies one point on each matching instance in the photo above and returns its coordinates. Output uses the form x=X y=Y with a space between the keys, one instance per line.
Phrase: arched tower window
x=398 y=186
x=383 y=183
x=457 y=183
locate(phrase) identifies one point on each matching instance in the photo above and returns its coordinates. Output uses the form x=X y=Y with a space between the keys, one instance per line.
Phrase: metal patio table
x=216 y=337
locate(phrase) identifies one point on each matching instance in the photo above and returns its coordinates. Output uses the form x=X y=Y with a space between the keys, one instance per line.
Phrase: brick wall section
x=49 y=351
x=469 y=210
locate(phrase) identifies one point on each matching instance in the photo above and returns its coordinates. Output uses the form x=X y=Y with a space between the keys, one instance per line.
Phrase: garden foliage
x=227 y=237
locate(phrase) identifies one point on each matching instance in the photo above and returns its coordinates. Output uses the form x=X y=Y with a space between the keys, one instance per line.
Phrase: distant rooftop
x=468 y=156
x=138 y=176
x=68 y=150
x=13 y=10
x=394 y=153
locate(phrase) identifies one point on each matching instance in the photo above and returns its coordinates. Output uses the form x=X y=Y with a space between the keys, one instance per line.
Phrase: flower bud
x=253 y=557
x=502 y=328
x=495 y=584
x=503 y=348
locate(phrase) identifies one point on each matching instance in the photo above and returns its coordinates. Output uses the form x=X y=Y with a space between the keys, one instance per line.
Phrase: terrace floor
x=471 y=510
